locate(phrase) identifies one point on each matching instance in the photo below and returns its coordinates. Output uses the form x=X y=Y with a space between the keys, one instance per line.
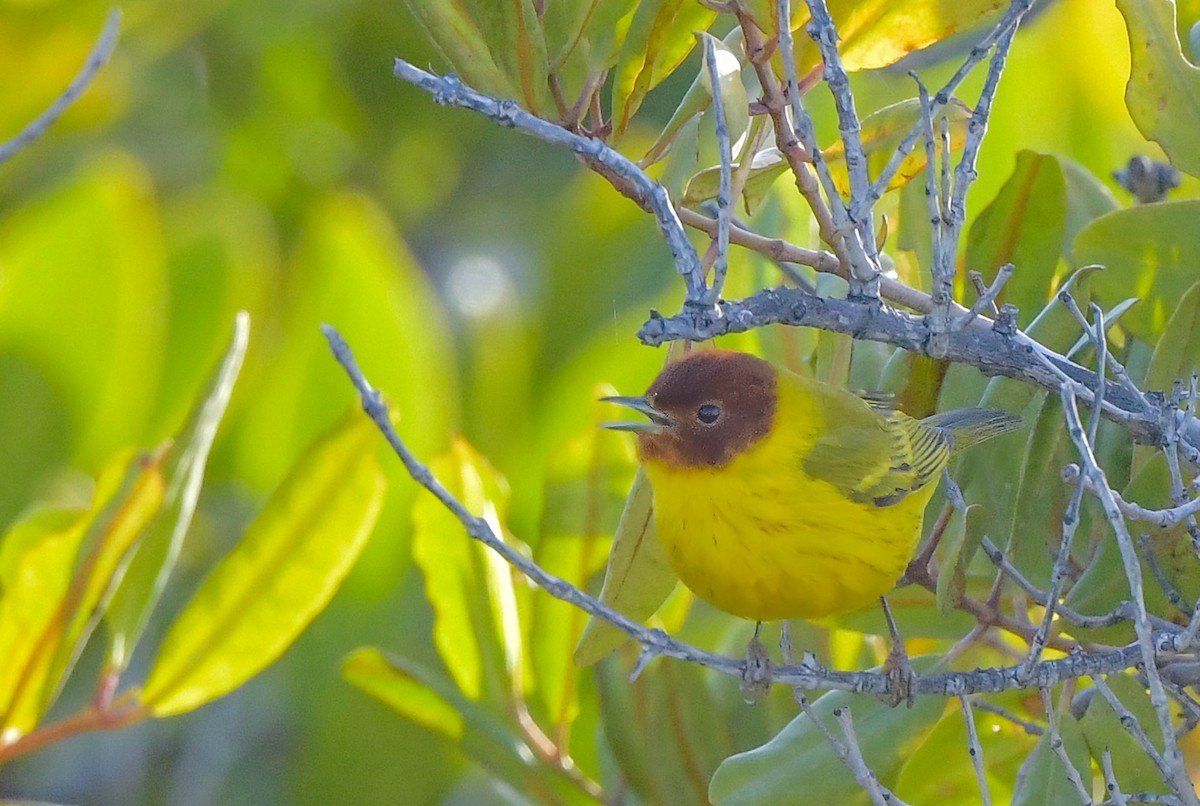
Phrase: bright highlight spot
x=478 y=286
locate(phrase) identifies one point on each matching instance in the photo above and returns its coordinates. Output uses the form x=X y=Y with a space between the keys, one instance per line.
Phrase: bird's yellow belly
x=765 y=546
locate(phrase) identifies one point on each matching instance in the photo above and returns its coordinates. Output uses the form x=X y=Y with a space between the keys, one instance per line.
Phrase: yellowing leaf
x=877 y=33
x=288 y=565
x=1163 y=94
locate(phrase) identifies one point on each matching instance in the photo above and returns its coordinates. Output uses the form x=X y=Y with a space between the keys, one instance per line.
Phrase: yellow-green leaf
x=1163 y=93
x=1043 y=779
x=659 y=39
x=468 y=585
x=638 y=578
x=282 y=573
x=451 y=29
x=1102 y=730
x=514 y=36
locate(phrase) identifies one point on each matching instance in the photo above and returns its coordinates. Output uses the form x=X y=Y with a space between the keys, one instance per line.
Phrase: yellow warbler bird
x=776 y=496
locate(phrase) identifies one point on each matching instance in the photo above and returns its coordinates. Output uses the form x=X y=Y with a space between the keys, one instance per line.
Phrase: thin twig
x=1110 y=780
x=1056 y=744
x=975 y=750
x=1032 y=728
x=867 y=779
x=725 y=191
x=99 y=56
x=1134 y=726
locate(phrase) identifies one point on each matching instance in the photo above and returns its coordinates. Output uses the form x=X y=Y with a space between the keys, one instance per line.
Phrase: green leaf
x=158 y=550
x=282 y=573
x=1087 y=199
x=1149 y=251
x=659 y=39
x=1043 y=779
x=469 y=586
x=800 y=753
x=431 y=700
x=962 y=540
x=1163 y=93
x=101 y=344
x=1023 y=225
x=586 y=482
x=1102 y=729
x=449 y=26
x=1177 y=353
x=605 y=28
x=513 y=33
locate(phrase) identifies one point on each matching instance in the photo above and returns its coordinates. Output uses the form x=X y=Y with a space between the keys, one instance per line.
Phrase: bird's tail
x=966 y=427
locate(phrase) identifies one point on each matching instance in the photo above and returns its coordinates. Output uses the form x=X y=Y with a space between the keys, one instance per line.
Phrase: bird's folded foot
x=901 y=678
x=756 y=670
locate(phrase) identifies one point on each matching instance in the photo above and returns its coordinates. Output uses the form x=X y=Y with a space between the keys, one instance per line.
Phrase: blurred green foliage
x=260 y=157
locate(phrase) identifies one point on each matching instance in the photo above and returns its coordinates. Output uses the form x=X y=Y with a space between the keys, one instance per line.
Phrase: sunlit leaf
x=468 y=585
x=881 y=32
x=184 y=464
x=1163 y=94
x=659 y=39
x=1043 y=779
x=800 y=753
x=61 y=580
x=281 y=574
x=1149 y=251
x=450 y=27
x=605 y=28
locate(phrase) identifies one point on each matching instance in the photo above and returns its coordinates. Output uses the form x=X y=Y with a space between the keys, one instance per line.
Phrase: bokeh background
x=260 y=156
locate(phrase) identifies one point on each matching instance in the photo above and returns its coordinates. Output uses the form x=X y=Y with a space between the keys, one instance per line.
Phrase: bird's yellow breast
x=762 y=539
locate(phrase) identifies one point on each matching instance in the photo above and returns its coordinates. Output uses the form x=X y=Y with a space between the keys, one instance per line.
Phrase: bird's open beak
x=659 y=421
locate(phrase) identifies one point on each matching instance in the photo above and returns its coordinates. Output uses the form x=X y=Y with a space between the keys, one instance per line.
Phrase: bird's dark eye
x=708 y=413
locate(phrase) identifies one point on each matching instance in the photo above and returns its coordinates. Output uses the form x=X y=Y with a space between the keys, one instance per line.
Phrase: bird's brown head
x=704 y=409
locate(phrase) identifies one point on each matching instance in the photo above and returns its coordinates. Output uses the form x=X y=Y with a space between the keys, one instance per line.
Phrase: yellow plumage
x=805 y=505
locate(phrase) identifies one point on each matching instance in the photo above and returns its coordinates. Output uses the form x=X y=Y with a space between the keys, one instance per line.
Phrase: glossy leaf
x=697 y=99
x=734 y=101
x=469 y=586
x=798 y=766
x=1043 y=779
x=1163 y=93
x=456 y=34
x=659 y=39
x=281 y=574
x=1024 y=225
x=158 y=550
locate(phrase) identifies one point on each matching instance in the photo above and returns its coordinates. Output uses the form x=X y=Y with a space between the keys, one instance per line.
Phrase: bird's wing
x=874 y=455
